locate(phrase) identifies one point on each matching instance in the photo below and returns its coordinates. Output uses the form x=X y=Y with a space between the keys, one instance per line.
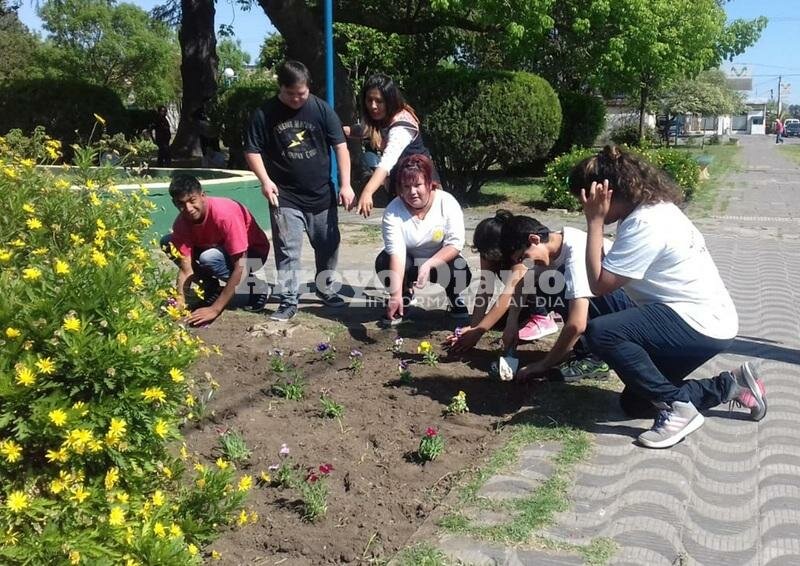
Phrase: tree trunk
x=301 y=28
x=644 y=94
x=198 y=71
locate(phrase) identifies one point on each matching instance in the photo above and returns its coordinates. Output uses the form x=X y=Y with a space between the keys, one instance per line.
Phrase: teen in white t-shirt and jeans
x=684 y=315
x=423 y=235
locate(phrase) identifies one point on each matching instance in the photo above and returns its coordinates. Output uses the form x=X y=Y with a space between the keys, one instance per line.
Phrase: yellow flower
x=80 y=494
x=123 y=497
x=215 y=555
x=253 y=517
x=245 y=483
x=116 y=518
x=184 y=452
x=11 y=451
x=60 y=455
x=100 y=119
x=81 y=406
x=174 y=312
x=152 y=394
x=122 y=338
x=5 y=255
x=19 y=242
x=176 y=375
x=57 y=486
x=424 y=347
x=29 y=208
x=193 y=550
x=117 y=428
x=161 y=429
x=140 y=254
x=74 y=557
x=77 y=240
x=133 y=314
x=158 y=498
x=99 y=258
x=62 y=267
x=25 y=376
x=112 y=477
x=189 y=400
x=40 y=251
x=31 y=273
x=265 y=477
x=167 y=472
x=33 y=223
x=146 y=222
x=45 y=366
x=12 y=333
x=17 y=501
x=159 y=530
x=58 y=417
x=221 y=464
x=199 y=468
x=94 y=199
x=242 y=520
x=137 y=281
x=61 y=184
x=175 y=531
x=71 y=323
x=27 y=162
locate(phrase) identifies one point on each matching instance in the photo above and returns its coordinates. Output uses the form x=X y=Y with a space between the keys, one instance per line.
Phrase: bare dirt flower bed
x=379 y=491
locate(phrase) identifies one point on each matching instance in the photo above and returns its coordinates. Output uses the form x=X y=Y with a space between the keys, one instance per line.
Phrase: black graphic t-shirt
x=294 y=145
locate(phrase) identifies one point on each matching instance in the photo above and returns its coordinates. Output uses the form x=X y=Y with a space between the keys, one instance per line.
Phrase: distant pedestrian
x=161 y=132
x=778 y=130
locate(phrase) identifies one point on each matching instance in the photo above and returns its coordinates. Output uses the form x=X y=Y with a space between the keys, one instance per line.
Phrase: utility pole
x=779 y=95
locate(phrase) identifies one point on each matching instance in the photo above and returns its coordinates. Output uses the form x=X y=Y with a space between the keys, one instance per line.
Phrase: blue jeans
x=215 y=264
x=652 y=350
x=288 y=225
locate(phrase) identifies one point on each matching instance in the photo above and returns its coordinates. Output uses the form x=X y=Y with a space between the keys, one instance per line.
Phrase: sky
x=772 y=56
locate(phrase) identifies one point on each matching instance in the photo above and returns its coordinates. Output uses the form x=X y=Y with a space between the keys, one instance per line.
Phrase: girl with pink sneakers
x=683 y=314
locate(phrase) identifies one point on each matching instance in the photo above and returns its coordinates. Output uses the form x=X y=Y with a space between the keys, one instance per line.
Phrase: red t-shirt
x=228 y=225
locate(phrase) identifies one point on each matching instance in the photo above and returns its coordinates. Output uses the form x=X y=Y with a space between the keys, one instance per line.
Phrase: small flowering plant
x=327 y=351
x=458 y=404
x=429 y=357
x=431 y=445
x=405 y=374
x=397 y=345
x=356 y=360
x=314 y=492
x=277 y=361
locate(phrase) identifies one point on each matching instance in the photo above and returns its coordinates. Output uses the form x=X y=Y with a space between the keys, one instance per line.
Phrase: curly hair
x=630 y=176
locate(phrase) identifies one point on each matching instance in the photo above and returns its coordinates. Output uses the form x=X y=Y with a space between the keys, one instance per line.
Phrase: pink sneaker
x=538 y=326
x=751 y=392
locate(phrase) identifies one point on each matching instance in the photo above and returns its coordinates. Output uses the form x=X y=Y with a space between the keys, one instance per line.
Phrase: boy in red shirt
x=214 y=237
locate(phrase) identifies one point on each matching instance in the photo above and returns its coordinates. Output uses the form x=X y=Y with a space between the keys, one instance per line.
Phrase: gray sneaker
x=284 y=313
x=750 y=392
x=330 y=299
x=672 y=425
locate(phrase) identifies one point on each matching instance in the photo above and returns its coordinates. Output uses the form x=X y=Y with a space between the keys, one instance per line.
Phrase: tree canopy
x=707 y=94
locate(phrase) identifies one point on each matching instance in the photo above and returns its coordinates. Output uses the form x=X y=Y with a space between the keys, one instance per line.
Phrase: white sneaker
x=672 y=424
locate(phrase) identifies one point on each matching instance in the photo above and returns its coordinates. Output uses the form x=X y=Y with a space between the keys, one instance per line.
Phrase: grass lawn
x=726 y=161
x=791 y=151
x=524 y=191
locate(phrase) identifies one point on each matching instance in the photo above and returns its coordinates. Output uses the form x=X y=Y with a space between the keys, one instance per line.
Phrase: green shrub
x=65 y=108
x=629 y=135
x=583 y=120
x=233 y=109
x=556 y=183
x=680 y=165
x=475 y=120
x=94 y=384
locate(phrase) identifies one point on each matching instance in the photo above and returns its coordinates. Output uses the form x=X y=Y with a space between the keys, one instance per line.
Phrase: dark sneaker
x=257 y=302
x=751 y=394
x=389 y=322
x=672 y=424
x=284 y=313
x=586 y=368
x=330 y=299
x=458 y=309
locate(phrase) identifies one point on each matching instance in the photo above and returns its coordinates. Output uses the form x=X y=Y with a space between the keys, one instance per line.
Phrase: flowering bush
x=458 y=404
x=431 y=445
x=93 y=384
x=356 y=360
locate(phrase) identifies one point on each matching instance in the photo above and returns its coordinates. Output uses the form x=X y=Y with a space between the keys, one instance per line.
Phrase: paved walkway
x=730 y=493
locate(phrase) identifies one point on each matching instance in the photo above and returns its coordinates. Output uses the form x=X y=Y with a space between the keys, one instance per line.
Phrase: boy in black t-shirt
x=287 y=146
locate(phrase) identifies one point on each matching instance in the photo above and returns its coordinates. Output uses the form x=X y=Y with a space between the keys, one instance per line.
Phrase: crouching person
x=212 y=240
x=423 y=235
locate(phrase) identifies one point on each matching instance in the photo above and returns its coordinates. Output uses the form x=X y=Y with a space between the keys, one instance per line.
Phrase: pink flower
x=326 y=468
x=431 y=432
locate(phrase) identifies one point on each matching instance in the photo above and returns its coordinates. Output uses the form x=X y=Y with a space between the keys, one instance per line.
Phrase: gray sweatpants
x=288 y=225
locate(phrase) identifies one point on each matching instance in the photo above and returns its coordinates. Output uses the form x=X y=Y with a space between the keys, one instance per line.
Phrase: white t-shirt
x=443 y=225
x=665 y=257
x=573 y=258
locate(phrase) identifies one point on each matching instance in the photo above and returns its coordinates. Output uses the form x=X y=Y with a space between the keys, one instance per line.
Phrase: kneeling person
x=214 y=237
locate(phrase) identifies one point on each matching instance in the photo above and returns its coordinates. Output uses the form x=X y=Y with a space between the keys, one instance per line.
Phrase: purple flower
x=172 y=302
x=355 y=353
x=458 y=332
x=323 y=346
x=403 y=365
